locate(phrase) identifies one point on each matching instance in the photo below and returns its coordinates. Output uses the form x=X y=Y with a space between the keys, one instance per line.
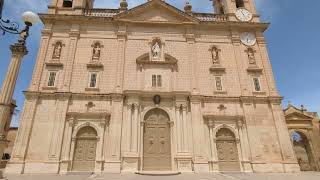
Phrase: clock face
x=243 y=15
x=248 y=38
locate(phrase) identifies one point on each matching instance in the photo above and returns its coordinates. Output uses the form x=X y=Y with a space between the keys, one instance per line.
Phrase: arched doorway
x=157 y=141
x=227 y=150
x=302 y=150
x=85 y=150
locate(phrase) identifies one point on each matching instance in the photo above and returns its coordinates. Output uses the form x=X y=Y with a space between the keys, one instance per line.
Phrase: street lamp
x=18 y=50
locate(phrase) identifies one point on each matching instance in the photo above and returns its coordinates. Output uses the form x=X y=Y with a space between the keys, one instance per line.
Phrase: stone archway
x=157 y=141
x=303 y=152
x=227 y=150
x=85 y=150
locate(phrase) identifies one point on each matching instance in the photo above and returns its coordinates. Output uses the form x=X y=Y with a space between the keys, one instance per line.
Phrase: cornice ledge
x=255 y=69
x=275 y=99
x=217 y=68
x=101 y=115
x=210 y=116
x=117 y=97
x=31 y=94
x=54 y=64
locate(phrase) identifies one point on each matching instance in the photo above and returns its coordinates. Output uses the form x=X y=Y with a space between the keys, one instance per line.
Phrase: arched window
x=67 y=3
x=239 y=3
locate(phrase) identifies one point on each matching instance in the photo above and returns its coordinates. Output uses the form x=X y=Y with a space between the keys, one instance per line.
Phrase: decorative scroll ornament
x=9 y=27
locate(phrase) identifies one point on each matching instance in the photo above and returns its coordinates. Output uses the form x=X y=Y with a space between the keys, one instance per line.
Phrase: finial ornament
x=123 y=5
x=188 y=7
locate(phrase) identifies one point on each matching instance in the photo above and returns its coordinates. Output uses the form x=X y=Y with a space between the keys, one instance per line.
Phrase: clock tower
x=69 y=6
x=238 y=10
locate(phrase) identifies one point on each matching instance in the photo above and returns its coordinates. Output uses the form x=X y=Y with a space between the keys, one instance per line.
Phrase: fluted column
x=135 y=127
x=214 y=154
x=9 y=83
x=184 y=129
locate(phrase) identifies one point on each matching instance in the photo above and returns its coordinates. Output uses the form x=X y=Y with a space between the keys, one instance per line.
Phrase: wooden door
x=85 y=150
x=227 y=151
x=157 y=143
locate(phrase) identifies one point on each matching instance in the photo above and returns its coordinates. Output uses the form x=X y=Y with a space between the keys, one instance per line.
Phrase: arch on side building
x=157 y=141
x=84 y=157
x=227 y=149
x=303 y=150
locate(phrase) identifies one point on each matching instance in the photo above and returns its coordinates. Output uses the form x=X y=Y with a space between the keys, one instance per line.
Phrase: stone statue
x=57 y=50
x=96 y=51
x=251 y=57
x=156 y=51
x=215 y=55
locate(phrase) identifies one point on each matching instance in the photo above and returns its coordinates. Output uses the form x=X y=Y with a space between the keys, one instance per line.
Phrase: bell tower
x=230 y=7
x=69 y=6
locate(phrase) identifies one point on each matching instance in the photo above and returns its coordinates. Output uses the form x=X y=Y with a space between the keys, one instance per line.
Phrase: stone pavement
x=212 y=176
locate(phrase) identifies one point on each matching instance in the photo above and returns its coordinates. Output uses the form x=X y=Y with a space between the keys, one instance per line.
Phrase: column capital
x=18 y=49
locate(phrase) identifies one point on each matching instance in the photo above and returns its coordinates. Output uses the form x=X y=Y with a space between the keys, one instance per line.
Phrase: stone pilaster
x=58 y=126
x=267 y=66
x=74 y=37
x=214 y=154
x=65 y=158
x=122 y=38
x=112 y=153
x=191 y=44
x=243 y=136
x=287 y=152
x=198 y=131
x=42 y=54
x=18 y=155
x=240 y=63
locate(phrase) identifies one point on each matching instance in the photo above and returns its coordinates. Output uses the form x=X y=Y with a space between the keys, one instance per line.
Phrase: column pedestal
x=184 y=162
x=130 y=162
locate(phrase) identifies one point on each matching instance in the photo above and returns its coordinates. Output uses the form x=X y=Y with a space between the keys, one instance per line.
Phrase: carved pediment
x=156 y=11
x=145 y=59
x=293 y=113
x=298 y=116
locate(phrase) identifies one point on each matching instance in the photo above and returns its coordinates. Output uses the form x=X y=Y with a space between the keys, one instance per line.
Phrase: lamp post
x=18 y=50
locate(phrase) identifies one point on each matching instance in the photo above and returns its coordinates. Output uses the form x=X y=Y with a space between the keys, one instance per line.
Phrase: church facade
x=152 y=88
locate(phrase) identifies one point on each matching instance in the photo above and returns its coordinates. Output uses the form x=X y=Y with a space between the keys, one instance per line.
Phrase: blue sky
x=293 y=41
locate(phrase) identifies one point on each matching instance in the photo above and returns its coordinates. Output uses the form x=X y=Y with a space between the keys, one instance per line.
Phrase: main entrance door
x=85 y=150
x=156 y=142
x=227 y=151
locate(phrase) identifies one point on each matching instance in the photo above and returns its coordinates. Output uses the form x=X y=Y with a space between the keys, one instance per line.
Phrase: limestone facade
x=152 y=88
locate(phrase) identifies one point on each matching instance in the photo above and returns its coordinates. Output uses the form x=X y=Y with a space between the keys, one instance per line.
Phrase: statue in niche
x=156 y=51
x=57 y=50
x=215 y=55
x=96 y=52
x=251 y=57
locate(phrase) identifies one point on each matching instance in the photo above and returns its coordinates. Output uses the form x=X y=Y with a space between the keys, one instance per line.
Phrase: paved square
x=212 y=176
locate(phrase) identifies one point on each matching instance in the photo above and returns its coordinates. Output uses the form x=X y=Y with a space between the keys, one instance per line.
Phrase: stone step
x=158 y=173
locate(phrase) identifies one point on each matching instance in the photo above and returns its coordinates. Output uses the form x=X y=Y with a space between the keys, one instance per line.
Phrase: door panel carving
x=227 y=151
x=157 y=143
x=85 y=150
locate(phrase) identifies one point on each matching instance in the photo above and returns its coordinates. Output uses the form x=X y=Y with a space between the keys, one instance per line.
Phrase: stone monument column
x=9 y=83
